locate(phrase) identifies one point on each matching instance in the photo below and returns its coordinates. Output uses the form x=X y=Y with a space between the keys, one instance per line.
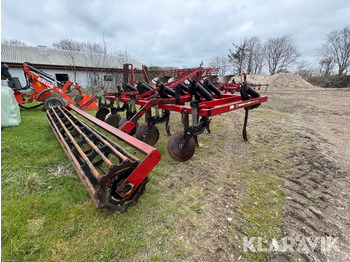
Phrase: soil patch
x=317 y=189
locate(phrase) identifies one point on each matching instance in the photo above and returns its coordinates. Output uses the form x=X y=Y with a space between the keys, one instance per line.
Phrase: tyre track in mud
x=317 y=195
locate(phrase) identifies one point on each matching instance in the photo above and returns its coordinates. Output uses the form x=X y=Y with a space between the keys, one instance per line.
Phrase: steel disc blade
x=101 y=113
x=123 y=120
x=148 y=134
x=113 y=119
x=177 y=148
x=244 y=131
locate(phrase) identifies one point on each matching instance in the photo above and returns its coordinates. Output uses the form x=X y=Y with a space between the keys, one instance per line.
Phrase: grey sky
x=174 y=33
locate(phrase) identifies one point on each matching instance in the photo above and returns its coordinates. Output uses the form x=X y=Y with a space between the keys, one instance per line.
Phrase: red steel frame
x=147 y=100
x=207 y=71
x=227 y=102
x=235 y=87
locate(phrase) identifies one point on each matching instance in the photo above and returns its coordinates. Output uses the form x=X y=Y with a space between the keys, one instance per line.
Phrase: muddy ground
x=317 y=189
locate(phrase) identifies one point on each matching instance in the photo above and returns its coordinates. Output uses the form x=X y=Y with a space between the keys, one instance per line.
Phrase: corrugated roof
x=49 y=56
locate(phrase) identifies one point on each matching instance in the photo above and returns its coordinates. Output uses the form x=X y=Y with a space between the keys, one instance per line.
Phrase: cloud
x=173 y=33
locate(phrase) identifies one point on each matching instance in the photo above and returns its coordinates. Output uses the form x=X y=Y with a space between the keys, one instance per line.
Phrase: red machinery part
x=114 y=178
x=44 y=87
x=117 y=185
x=199 y=100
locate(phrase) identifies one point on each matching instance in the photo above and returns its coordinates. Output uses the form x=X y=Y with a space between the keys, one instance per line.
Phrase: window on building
x=61 y=79
x=107 y=78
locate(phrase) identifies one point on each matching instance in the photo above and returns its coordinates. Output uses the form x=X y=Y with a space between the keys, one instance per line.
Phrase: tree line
x=280 y=54
x=251 y=55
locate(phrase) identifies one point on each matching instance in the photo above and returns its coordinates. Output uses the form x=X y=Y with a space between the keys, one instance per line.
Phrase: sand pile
x=279 y=81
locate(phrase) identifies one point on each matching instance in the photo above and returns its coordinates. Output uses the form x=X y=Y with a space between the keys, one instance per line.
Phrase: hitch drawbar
x=114 y=178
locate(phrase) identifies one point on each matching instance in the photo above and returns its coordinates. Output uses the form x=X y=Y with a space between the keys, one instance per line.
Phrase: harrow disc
x=102 y=113
x=112 y=119
x=123 y=121
x=147 y=133
x=178 y=149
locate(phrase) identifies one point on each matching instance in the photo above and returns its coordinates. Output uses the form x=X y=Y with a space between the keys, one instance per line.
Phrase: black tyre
x=53 y=101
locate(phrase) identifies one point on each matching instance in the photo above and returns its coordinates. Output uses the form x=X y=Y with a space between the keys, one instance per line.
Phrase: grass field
x=200 y=209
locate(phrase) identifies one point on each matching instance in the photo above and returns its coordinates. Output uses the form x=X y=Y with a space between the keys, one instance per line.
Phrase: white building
x=86 y=69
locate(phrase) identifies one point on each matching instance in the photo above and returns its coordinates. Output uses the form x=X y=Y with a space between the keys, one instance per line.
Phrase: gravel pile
x=279 y=81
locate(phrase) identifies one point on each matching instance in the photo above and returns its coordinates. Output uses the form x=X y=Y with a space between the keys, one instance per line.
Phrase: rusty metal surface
x=113 y=119
x=102 y=113
x=179 y=149
x=102 y=165
x=148 y=133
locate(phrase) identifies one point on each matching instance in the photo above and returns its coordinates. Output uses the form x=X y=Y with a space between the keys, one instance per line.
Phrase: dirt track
x=317 y=189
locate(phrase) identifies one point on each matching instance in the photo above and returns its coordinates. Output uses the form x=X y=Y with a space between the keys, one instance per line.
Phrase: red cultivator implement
x=202 y=101
x=115 y=178
x=232 y=87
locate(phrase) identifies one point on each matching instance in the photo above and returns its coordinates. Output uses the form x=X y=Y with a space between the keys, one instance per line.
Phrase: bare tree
x=88 y=47
x=14 y=41
x=221 y=62
x=251 y=47
x=96 y=55
x=71 y=48
x=280 y=52
x=238 y=57
x=256 y=50
x=305 y=69
x=326 y=66
x=337 y=49
x=247 y=57
x=93 y=55
x=124 y=57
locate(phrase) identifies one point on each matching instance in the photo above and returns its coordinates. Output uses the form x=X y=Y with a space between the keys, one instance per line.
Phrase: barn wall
x=85 y=79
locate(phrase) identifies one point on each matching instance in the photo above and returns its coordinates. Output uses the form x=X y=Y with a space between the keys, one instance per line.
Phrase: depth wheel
x=52 y=102
x=112 y=119
x=102 y=113
x=148 y=134
x=178 y=149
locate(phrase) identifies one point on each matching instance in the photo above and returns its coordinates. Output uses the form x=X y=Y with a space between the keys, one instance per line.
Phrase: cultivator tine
x=244 y=132
x=103 y=165
x=167 y=126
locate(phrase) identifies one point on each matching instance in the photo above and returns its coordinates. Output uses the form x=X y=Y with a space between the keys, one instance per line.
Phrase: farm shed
x=86 y=69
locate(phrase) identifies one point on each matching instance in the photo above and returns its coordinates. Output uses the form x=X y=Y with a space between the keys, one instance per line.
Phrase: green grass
x=47 y=215
x=263 y=175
